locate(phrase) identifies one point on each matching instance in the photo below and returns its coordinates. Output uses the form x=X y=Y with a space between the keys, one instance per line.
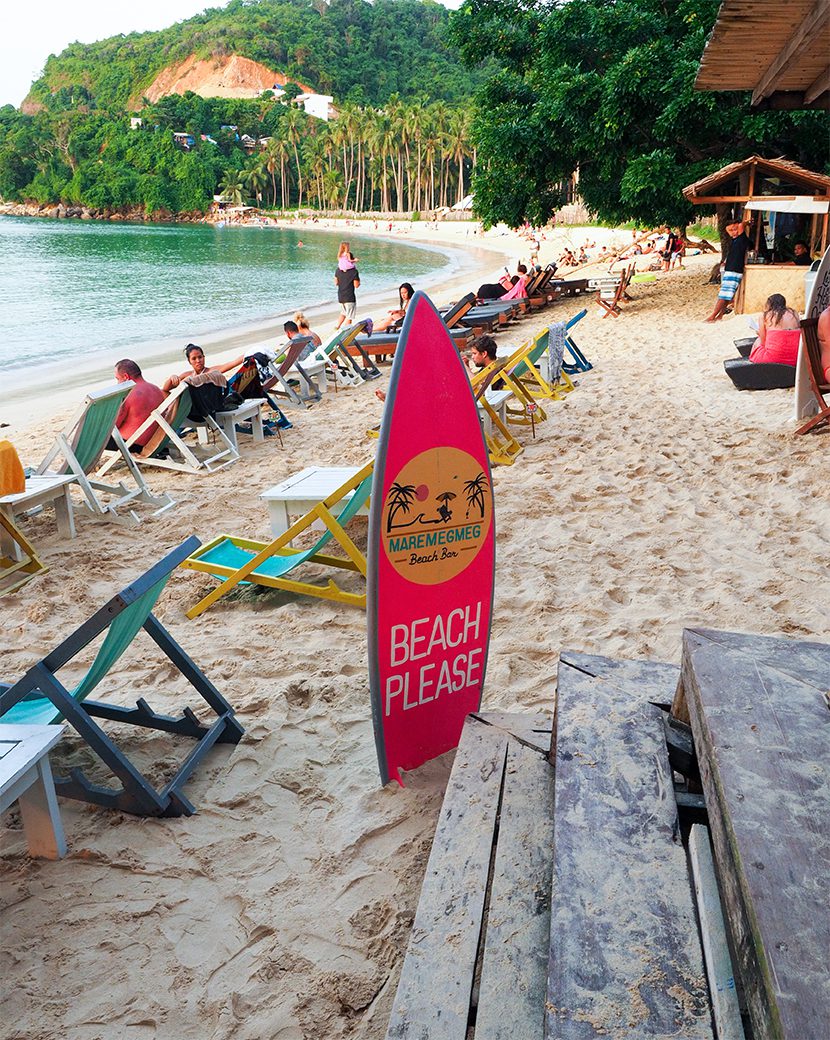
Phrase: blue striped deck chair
x=81 y=445
x=578 y=363
x=272 y=564
x=40 y=698
x=555 y=383
x=341 y=364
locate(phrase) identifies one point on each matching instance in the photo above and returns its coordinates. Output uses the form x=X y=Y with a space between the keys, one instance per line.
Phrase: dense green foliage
x=399 y=153
x=352 y=49
x=606 y=87
x=409 y=155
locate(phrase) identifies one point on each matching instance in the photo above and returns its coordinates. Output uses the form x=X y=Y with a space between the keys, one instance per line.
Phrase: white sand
x=656 y=497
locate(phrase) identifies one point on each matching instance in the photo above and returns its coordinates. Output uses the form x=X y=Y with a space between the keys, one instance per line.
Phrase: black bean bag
x=746 y=375
x=744 y=346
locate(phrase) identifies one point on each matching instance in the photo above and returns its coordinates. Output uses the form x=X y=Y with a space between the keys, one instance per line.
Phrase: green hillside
x=354 y=50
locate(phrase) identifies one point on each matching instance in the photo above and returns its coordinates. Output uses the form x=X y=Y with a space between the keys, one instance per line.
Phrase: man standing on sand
x=346 y=281
x=138 y=404
x=733 y=269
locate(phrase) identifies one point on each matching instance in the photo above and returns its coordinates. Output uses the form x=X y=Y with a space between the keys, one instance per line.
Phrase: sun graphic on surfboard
x=436 y=515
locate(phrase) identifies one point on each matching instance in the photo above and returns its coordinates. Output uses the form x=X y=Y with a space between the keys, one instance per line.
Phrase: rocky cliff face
x=230 y=77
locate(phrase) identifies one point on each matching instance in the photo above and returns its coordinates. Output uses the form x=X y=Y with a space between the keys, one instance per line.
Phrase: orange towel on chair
x=12 y=479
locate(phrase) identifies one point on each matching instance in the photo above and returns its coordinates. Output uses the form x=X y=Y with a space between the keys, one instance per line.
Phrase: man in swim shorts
x=733 y=269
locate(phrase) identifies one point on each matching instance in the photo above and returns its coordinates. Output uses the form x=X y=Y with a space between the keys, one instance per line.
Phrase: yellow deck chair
x=22 y=563
x=241 y=560
x=502 y=446
x=529 y=374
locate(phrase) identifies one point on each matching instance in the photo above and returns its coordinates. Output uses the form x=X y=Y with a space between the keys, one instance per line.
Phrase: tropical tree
x=256 y=180
x=232 y=186
x=608 y=88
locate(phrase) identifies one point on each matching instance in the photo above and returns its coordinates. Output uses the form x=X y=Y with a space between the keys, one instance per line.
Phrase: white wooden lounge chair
x=167 y=448
x=77 y=453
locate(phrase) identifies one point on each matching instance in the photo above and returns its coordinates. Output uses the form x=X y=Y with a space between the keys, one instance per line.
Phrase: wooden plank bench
x=759 y=714
x=625 y=956
x=477 y=957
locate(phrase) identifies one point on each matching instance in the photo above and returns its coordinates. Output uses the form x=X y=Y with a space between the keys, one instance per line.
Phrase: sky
x=31 y=35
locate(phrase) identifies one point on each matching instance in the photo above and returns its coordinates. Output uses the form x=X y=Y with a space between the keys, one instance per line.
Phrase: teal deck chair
x=81 y=445
x=578 y=362
x=342 y=363
x=40 y=698
x=240 y=560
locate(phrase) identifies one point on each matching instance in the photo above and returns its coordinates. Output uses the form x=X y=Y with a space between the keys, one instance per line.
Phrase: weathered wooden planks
x=625 y=958
x=496 y=813
x=762 y=738
x=514 y=971
x=722 y=989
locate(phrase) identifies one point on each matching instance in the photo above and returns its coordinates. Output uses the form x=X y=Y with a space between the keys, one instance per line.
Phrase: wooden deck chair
x=341 y=355
x=40 y=698
x=502 y=446
x=578 y=362
x=19 y=565
x=171 y=420
x=522 y=409
x=555 y=384
x=81 y=445
x=819 y=385
x=289 y=380
x=272 y=564
x=610 y=302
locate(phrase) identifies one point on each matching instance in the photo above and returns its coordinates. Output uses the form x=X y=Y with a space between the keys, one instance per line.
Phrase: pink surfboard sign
x=431 y=551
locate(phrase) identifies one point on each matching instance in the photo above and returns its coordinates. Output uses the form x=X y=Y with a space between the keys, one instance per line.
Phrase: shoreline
x=39 y=392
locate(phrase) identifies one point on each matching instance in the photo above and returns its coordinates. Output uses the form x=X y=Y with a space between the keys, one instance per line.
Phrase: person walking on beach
x=347 y=279
x=733 y=270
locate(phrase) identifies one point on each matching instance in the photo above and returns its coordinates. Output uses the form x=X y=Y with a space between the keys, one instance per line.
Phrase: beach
x=655 y=497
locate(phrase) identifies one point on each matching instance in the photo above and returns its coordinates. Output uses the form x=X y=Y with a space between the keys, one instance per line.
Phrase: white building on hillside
x=317 y=105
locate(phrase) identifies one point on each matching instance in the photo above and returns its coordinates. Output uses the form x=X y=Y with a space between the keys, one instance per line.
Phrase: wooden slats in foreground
x=759 y=714
x=625 y=957
x=481 y=927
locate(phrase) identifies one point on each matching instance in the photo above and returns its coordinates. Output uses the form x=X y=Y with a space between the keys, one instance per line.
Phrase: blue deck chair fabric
x=238 y=561
x=40 y=698
x=579 y=362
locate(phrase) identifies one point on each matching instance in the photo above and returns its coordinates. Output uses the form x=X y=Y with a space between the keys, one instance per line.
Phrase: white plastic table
x=301 y=492
x=26 y=777
x=248 y=410
x=40 y=491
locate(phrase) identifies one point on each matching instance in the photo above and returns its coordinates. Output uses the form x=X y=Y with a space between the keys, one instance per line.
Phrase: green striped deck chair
x=342 y=365
x=78 y=450
x=40 y=698
x=272 y=564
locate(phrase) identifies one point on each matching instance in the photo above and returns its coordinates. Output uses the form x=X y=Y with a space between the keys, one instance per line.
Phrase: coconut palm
x=256 y=180
x=294 y=123
x=231 y=187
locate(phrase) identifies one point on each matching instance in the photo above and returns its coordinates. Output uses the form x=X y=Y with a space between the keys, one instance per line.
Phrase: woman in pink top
x=779 y=334
x=518 y=292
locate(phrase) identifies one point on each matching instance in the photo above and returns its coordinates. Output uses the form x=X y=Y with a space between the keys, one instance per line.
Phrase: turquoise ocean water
x=70 y=290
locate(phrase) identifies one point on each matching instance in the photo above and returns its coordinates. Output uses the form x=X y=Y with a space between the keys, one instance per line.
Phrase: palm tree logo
x=474 y=491
x=398 y=500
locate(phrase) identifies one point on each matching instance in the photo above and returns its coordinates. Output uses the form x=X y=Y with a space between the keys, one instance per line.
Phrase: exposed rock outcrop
x=231 y=77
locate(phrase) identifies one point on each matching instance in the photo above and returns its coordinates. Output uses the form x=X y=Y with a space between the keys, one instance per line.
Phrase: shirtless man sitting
x=138 y=404
x=196 y=358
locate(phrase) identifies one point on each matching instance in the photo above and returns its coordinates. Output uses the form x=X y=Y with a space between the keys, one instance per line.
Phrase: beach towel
x=12 y=478
x=556 y=352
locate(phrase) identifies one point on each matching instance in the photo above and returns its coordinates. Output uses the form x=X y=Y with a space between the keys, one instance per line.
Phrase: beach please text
x=432 y=657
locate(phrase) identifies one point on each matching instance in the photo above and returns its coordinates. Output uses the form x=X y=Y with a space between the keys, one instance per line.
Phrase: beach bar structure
x=785 y=203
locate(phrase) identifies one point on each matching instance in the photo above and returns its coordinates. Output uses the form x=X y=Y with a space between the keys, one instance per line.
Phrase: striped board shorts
x=729 y=282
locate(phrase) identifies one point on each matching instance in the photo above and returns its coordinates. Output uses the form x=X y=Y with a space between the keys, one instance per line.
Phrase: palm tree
x=459 y=141
x=231 y=187
x=294 y=120
x=400 y=498
x=474 y=490
x=256 y=179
